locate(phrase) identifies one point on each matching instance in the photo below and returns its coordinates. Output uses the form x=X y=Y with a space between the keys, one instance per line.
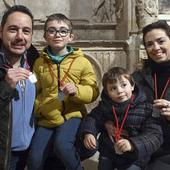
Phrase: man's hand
x=16 y=74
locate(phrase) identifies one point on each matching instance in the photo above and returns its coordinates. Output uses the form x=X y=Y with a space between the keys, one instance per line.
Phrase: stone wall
x=108 y=31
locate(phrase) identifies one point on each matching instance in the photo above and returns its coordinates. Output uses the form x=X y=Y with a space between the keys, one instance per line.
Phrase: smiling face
x=55 y=40
x=120 y=90
x=16 y=34
x=157 y=45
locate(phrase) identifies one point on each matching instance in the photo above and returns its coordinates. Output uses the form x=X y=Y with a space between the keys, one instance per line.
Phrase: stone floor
x=91 y=163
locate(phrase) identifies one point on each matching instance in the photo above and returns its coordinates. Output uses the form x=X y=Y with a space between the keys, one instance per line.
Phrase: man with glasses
x=17 y=92
x=66 y=82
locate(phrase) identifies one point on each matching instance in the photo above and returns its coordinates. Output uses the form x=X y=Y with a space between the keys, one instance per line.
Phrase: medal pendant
x=156 y=112
x=32 y=78
x=61 y=95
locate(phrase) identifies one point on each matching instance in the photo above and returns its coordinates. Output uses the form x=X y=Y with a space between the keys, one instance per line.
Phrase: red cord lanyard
x=156 y=87
x=26 y=64
x=119 y=129
x=61 y=81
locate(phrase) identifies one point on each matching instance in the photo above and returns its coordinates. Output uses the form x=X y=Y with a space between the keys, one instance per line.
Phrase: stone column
x=146 y=13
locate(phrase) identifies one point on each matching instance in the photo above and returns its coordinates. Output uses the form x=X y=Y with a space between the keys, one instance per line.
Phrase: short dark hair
x=16 y=8
x=113 y=74
x=161 y=24
x=58 y=17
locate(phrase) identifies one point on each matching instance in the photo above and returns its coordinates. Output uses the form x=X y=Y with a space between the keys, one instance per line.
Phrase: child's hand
x=109 y=125
x=124 y=145
x=69 y=89
x=90 y=141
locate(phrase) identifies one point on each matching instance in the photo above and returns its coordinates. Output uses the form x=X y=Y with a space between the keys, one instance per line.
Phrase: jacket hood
x=77 y=52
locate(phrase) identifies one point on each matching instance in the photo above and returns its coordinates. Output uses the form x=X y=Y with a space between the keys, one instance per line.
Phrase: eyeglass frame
x=58 y=31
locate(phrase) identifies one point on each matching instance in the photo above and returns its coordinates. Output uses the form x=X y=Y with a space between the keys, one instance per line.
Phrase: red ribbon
x=156 y=87
x=119 y=129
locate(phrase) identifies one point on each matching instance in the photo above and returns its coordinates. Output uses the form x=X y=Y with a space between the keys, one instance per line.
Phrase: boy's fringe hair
x=114 y=74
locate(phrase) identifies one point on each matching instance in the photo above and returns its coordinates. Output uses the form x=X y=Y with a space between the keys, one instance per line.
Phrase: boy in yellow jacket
x=66 y=82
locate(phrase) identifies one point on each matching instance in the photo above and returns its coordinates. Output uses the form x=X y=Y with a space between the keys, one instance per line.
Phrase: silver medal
x=156 y=112
x=32 y=78
x=61 y=95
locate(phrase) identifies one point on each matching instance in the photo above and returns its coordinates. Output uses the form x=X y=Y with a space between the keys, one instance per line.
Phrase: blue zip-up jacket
x=22 y=117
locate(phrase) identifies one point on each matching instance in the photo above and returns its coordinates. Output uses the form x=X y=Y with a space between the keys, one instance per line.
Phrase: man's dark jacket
x=6 y=95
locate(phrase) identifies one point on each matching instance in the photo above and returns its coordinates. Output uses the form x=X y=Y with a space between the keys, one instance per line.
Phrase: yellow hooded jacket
x=49 y=110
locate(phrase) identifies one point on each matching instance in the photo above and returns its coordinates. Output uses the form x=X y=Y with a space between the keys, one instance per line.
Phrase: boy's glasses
x=63 y=32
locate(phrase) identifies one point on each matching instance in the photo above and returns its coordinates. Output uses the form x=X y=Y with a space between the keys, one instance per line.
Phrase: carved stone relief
x=9 y=3
x=164 y=6
x=106 y=11
x=103 y=11
x=93 y=11
x=119 y=5
x=146 y=12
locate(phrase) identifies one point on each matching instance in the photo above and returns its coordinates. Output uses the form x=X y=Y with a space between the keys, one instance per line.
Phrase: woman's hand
x=164 y=106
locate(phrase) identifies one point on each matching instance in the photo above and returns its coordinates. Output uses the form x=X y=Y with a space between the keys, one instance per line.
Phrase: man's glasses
x=52 y=31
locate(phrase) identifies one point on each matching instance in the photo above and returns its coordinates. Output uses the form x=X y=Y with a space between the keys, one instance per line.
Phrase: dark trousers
x=161 y=163
x=54 y=163
x=18 y=160
x=60 y=140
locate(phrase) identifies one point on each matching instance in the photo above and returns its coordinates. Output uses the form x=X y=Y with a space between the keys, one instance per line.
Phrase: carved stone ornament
x=103 y=11
x=146 y=12
x=164 y=6
x=119 y=5
x=9 y=3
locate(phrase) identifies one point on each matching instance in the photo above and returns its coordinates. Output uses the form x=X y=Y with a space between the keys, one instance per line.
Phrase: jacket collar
x=147 y=76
